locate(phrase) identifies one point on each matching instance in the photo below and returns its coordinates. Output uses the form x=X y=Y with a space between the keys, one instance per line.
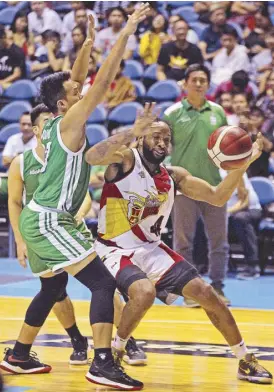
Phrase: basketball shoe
x=20 y=365
x=80 y=352
x=250 y=370
x=134 y=355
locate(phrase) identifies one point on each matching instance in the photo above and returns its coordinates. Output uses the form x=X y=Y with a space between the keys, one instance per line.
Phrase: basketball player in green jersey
x=23 y=181
x=47 y=223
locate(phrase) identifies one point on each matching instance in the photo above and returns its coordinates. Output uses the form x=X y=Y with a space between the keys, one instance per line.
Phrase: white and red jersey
x=135 y=209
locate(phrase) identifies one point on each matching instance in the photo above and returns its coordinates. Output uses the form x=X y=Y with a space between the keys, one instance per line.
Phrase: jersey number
x=156 y=228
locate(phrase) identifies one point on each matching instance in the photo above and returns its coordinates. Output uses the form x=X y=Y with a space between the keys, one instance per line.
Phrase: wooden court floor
x=185 y=353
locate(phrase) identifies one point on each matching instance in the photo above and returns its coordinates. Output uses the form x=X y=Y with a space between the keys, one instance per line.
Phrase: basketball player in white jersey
x=136 y=202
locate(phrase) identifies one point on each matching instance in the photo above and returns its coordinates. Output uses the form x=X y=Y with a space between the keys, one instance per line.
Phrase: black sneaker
x=80 y=352
x=19 y=366
x=134 y=354
x=112 y=375
x=250 y=370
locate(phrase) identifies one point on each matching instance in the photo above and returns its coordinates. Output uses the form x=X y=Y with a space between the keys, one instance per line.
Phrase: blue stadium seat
x=61 y=6
x=7 y=131
x=133 y=69
x=98 y=116
x=163 y=106
x=179 y=4
x=198 y=27
x=264 y=189
x=7 y=15
x=3 y=4
x=139 y=88
x=271 y=165
x=125 y=113
x=13 y=111
x=151 y=72
x=187 y=13
x=21 y=89
x=237 y=28
x=166 y=90
x=96 y=133
x=21 y=5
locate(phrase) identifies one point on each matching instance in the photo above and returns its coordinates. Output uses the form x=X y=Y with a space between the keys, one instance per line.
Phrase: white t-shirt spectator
x=49 y=20
x=106 y=39
x=224 y=65
x=15 y=145
x=69 y=21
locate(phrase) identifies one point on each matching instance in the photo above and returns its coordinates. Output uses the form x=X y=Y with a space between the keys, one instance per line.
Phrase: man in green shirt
x=193 y=120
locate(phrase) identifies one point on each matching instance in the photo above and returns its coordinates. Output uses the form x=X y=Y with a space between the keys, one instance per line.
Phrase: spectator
x=255 y=122
x=106 y=38
x=152 y=41
x=193 y=120
x=146 y=25
x=244 y=211
x=177 y=55
x=12 y=61
x=225 y=100
x=263 y=61
x=265 y=100
x=92 y=70
x=240 y=104
x=69 y=21
x=201 y=8
x=239 y=83
x=101 y=8
x=191 y=37
x=210 y=43
x=42 y=18
x=21 y=36
x=78 y=37
x=48 y=58
x=120 y=91
x=231 y=58
x=255 y=40
x=20 y=142
x=81 y=17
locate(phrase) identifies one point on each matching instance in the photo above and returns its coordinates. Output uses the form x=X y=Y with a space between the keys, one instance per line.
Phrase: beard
x=150 y=157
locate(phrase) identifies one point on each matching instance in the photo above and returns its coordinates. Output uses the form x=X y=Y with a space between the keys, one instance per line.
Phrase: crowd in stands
x=234 y=39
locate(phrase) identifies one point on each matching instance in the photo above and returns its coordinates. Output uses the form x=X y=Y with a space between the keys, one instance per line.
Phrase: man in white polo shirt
x=20 y=142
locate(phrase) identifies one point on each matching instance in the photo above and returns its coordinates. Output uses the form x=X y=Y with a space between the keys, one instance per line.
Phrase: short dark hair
x=229 y=30
x=240 y=79
x=49 y=34
x=110 y=10
x=52 y=89
x=195 y=68
x=39 y=109
x=256 y=109
x=24 y=114
x=82 y=28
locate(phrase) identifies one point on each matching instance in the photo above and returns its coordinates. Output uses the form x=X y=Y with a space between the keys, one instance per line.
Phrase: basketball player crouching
x=136 y=202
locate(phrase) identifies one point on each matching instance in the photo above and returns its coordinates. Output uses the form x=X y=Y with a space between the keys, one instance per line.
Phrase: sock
x=120 y=344
x=21 y=350
x=102 y=354
x=239 y=350
x=74 y=333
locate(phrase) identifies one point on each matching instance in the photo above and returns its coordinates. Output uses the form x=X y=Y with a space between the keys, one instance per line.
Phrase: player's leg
x=20 y=359
x=134 y=354
x=64 y=312
x=222 y=319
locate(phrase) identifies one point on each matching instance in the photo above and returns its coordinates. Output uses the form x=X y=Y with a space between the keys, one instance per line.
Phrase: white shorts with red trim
x=153 y=259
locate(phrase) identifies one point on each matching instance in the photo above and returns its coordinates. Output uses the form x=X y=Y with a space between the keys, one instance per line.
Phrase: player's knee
x=62 y=296
x=55 y=287
x=145 y=294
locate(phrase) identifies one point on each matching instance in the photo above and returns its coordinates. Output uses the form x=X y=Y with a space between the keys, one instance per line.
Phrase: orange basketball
x=229 y=147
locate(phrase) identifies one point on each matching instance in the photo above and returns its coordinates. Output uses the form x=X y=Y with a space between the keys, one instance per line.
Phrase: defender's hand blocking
x=137 y=17
x=144 y=120
x=257 y=148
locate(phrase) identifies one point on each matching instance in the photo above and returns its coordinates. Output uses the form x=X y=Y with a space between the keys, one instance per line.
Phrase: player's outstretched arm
x=15 y=192
x=114 y=149
x=198 y=189
x=80 y=66
x=78 y=114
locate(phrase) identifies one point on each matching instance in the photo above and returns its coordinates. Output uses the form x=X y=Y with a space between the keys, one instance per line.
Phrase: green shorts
x=53 y=240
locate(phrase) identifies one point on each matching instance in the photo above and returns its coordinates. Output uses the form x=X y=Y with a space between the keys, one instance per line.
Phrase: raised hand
x=144 y=120
x=137 y=17
x=91 y=30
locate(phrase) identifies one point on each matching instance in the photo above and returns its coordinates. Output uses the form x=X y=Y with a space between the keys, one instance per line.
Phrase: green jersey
x=191 y=131
x=30 y=168
x=64 y=178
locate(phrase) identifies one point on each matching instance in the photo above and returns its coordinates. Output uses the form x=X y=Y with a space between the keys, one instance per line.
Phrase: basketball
x=229 y=147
